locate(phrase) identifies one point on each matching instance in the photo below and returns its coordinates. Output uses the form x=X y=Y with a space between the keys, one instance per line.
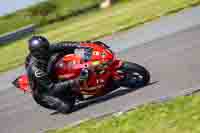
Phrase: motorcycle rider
x=45 y=92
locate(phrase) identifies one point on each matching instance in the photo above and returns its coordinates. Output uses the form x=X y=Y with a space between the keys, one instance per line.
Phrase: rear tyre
x=134 y=75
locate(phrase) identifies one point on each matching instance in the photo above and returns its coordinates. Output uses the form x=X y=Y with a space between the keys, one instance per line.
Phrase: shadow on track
x=114 y=94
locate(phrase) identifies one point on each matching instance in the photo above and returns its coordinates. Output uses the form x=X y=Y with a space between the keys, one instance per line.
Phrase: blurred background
x=20 y=13
x=73 y=20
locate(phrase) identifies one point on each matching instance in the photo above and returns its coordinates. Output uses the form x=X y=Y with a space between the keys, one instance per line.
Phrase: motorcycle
x=104 y=71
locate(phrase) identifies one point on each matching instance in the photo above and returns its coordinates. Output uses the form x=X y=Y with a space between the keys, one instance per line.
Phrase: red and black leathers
x=45 y=91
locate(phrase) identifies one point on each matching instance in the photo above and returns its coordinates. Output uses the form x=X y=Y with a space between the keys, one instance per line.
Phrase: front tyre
x=134 y=75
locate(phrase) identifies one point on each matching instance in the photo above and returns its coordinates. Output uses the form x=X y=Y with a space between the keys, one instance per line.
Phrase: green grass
x=181 y=115
x=42 y=13
x=11 y=23
x=98 y=23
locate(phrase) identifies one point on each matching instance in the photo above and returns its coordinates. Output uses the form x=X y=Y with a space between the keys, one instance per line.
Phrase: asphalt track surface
x=173 y=61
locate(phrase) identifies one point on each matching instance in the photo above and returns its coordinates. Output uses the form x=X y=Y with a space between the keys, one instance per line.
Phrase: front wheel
x=134 y=75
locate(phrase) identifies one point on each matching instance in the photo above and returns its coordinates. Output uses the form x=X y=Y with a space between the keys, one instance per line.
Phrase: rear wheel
x=134 y=75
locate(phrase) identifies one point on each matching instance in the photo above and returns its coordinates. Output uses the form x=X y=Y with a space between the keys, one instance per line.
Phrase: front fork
x=117 y=74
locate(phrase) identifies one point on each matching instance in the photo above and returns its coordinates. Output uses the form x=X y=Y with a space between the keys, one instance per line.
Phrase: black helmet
x=37 y=43
x=38 y=46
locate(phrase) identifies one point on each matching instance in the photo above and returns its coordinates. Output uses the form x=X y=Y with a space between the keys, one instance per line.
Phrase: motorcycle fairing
x=22 y=83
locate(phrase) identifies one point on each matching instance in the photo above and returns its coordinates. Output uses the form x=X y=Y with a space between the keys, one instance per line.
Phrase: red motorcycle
x=104 y=70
